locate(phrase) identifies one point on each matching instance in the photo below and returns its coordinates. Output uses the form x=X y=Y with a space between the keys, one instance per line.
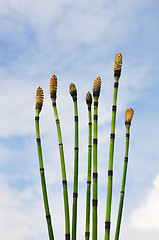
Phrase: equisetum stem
x=64 y=179
x=88 y=194
x=110 y=166
x=122 y=193
x=75 y=184
x=95 y=172
x=43 y=182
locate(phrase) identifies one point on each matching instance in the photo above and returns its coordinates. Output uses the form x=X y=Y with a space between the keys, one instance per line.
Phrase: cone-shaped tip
x=73 y=91
x=117 y=65
x=128 y=116
x=39 y=98
x=96 y=87
x=89 y=99
x=53 y=87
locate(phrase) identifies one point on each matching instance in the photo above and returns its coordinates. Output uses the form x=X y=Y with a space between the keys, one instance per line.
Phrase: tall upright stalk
x=96 y=93
x=73 y=92
x=53 y=91
x=117 y=72
x=128 y=118
x=39 y=103
x=88 y=194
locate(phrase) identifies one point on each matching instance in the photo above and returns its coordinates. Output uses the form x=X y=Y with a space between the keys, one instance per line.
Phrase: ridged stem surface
x=95 y=172
x=88 y=194
x=120 y=210
x=110 y=165
x=43 y=182
x=75 y=184
x=64 y=179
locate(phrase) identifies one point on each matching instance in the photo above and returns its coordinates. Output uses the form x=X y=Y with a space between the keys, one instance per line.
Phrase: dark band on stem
x=57 y=121
x=96 y=94
x=64 y=182
x=94 y=202
x=95 y=117
x=117 y=73
x=128 y=123
x=60 y=144
x=67 y=236
x=38 y=140
x=110 y=173
x=114 y=108
x=90 y=123
x=37 y=118
x=38 y=107
x=89 y=108
x=95 y=175
x=107 y=225
x=126 y=159
x=89 y=182
x=112 y=136
x=127 y=135
x=75 y=195
x=95 y=103
x=87 y=234
x=95 y=141
x=74 y=98
x=116 y=84
x=76 y=118
x=89 y=146
x=54 y=104
x=41 y=170
x=48 y=217
x=122 y=192
x=53 y=95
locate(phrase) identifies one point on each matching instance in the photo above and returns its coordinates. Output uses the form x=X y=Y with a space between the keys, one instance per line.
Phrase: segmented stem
x=43 y=182
x=88 y=194
x=117 y=72
x=73 y=92
x=96 y=92
x=53 y=89
x=128 y=118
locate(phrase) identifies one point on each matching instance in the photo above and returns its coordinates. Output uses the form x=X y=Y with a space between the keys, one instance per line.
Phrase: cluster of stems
x=90 y=171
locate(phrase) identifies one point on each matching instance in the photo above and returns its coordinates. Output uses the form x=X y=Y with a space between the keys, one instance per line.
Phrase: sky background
x=77 y=41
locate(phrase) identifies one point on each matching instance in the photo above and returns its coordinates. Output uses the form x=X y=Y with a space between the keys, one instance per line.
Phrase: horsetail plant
x=38 y=107
x=73 y=93
x=88 y=193
x=96 y=93
x=117 y=73
x=128 y=118
x=53 y=91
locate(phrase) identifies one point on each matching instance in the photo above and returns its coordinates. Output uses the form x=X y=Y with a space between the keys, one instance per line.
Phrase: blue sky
x=77 y=41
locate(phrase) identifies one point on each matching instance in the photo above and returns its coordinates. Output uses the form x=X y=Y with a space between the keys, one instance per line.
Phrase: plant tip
x=73 y=91
x=39 y=98
x=89 y=99
x=128 y=116
x=96 y=87
x=53 y=87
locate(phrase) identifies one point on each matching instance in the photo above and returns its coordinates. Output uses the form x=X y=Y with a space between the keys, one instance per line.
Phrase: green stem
x=64 y=179
x=88 y=194
x=110 y=166
x=95 y=173
x=75 y=185
x=123 y=186
x=43 y=182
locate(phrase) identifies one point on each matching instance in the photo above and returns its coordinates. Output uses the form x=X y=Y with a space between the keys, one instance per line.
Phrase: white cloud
x=146 y=216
